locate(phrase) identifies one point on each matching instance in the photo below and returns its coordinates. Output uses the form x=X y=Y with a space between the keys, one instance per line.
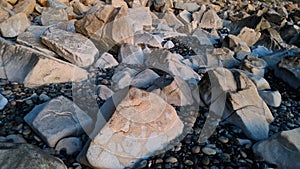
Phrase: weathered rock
x=205 y=38
x=56 y=4
x=3 y=15
x=172 y=20
x=235 y=43
x=57 y=119
x=271 y=39
x=53 y=15
x=272 y=98
x=189 y=6
x=147 y=39
x=282 y=149
x=105 y=61
x=249 y=36
x=70 y=145
x=25 y=6
x=104 y=92
x=166 y=61
x=177 y=93
x=14 y=25
x=131 y=54
x=12 y=138
x=140 y=18
x=210 y=20
x=79 y=8
x=32 y=38
x=244 y=107
x=169 y=44
x=72 y=46
x=273 y=17
x=185 y=17
x=144 y=79
x=289 y=71
x=27 y=156
x=142 y=124
x=3 y=102
x=260 y=82
x=123 y=78
x=158 y=4
x=119 y=3
x=254 y=65
x=25 y=65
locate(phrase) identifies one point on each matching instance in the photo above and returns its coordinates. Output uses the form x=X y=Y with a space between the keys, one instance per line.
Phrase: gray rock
x=123 y=78
x=104 y=92
x=71 y=145
x=260 y=82
x=172 y=20
x=14 y=25
x=144 y=79
x=131 y=54
x=139 y=112
x=27 y=156
x=282 y=149
x=15 y=139
x=166 y=61
x=185 y=17
x=272 y=98
x=140 y=18
x=236 y=44
x=254 y=65
x=209 y=151
x=289 y=71
x=105 y=61
x=32 y=38
x=148 y=40
x=271 y=39
x=189 y=6
x=3 y=102
x=72 y=46
x=56 y=4
x=53 y=15
x=33 y=68
x=205 y=38
x=57 y=119
x=44 y=98
x=210 y=20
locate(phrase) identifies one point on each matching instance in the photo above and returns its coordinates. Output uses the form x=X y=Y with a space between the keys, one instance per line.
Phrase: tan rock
x=118 y=3
x=3 y=15
x=25 y=6
x=142 y=124
x=172 y=20
x=72 y=46
x=53 y=15
x=79 y=8
x=249 y=36
x=12 y=2
x=14 y=25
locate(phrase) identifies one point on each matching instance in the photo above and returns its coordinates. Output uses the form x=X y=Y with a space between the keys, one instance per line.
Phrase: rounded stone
x=209 y=151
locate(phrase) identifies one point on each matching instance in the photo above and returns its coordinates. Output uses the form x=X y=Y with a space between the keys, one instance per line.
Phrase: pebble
x=209 y=151
x=196 y=149
x=188 y=162
x=223 y=139
x=205 y=161
x=171 y=159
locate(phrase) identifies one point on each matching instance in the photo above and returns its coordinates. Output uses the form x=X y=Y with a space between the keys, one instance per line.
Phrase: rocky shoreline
x=149 y=84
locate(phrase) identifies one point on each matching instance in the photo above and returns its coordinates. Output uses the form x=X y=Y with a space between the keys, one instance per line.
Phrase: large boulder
x=142 y=124
x=74 y=47
x=282 y=149
x=57 y=119
x=27 y=156
x=14 y=25
x=33 y=68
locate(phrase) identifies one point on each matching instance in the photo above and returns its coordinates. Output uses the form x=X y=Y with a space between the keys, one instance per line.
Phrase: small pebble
x=196 y=149
x=223 y=139
x=209 y=151
x=205 y=161
x=188 y=162
x=171 y=159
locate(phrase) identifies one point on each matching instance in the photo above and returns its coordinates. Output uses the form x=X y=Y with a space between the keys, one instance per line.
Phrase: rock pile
x=142 y=71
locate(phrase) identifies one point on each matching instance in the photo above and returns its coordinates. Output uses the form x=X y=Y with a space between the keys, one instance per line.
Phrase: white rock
x=169 y=44
x=72 y=46
x=57 y=119
x=131 y=54
x=189 y=6
x=272 y=98
x=123 y=78
x=106 y=61
x=142 y=124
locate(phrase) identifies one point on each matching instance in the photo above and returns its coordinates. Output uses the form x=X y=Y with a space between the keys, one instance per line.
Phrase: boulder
x=185 y=17
x=57 y=119
x=271 y=39
x=32 y=38
x=254 y=65
x=74 y=47
x=140 y=18
x=236 y=44
x=289 y=71
x=144 y=79
x=14 y=25
x=172 y=20
x=104 y=92
x=142 y=124
x=33 y=68
x=122 y=78
x=282 y=149
x=168 y=62
x=25 y=6
x=27 y=156
x=189 y=6
x=105 y=61
x=147 y=39
x=272 y=98
x=131 y=54
x=249 y=36
x=53 y=15
x=210 y=20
